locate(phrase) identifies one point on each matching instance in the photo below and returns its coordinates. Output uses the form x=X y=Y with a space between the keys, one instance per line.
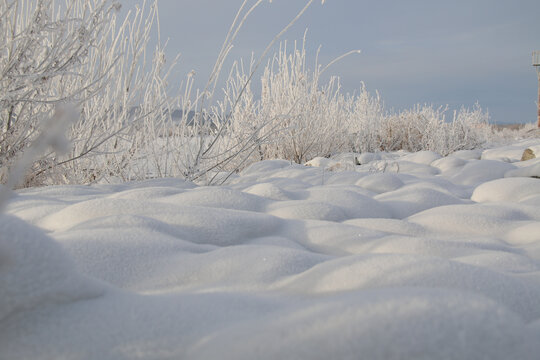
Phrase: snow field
x=404 y=256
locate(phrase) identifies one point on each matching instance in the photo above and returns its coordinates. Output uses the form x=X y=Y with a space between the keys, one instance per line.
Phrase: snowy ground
x=408 y=256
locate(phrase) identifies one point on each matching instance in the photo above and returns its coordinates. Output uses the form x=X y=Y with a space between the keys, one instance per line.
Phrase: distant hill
x=178 y=116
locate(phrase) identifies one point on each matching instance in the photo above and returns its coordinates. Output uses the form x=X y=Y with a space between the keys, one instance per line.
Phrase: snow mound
x=78 y=213
x=478 y=219
x=449 y=165
x=388 y=270
x=426 y=324
x=344 y=178
x=526 y=233
x=409 y=200
x=507 y=189
x=391 y=226
x=477 y=172
x=404 y=256
x=34 y=271
x=217 y=197
x=529 y=168
x=313 y=210
x=422 y=157
x=355 y=204
x=330 y=205
x=380 y=182
x=467 y=154
x=268 y=190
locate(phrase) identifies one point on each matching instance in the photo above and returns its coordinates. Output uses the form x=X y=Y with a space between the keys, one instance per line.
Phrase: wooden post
x=538 y=70
x=536 y=64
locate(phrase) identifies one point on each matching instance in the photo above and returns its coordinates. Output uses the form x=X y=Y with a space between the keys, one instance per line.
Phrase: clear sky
x=413 y=51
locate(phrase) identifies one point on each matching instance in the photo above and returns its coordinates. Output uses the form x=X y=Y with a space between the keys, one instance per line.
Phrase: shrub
x=77 y=54
x=425 y=128
x=296 y=117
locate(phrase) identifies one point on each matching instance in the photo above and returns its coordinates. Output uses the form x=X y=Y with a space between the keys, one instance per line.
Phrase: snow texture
x=404 y=256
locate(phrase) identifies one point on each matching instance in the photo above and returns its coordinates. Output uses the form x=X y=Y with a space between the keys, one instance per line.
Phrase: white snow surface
x=406 y=256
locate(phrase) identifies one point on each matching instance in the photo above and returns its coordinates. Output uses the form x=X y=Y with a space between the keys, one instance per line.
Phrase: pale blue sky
x=413 y=51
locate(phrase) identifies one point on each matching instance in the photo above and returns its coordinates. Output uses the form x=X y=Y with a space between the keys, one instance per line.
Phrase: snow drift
x=404 y=256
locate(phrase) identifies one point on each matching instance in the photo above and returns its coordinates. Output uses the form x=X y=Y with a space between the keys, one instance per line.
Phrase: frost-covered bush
x=78 y=53
x=83 y=54
x=511 y=133
x=296 y=117
x=423 y=127
x=367 y=116
x=308 y=119
x=226 y=131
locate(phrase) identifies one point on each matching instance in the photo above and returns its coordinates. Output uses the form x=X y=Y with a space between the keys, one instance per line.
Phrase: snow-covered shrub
x=367 y=115
x=423 y=127
x=77 y=53
x=310 y=119
x=226 y=132
x=83 y=54
x=501 y=134
x=296 y=118
x=469 y=129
